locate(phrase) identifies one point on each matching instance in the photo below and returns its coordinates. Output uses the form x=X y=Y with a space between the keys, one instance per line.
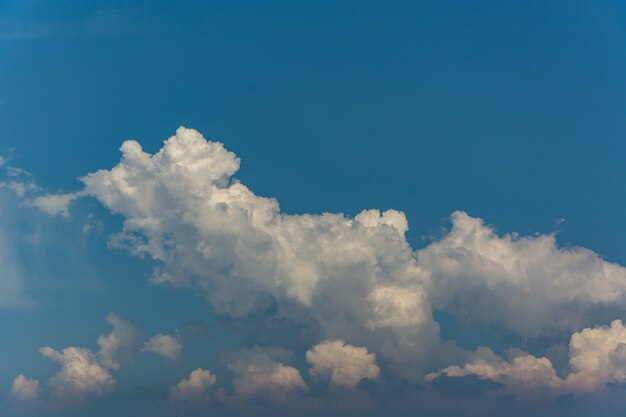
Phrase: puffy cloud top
x=597 y=357
x=345 y=364
x=24 y=389
x=260 y=372
x=84 y=373
x=193 y=387
x=80 y=373
x=165 y=345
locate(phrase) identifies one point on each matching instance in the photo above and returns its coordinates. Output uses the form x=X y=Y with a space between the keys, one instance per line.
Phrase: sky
x=241 y=208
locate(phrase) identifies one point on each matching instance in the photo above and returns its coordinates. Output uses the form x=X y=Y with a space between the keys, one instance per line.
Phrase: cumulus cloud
x=165 y=345
x=526 y=284
x=346 y=365
x=24 y=389
x=86 y=373
x=81 y=374
x=193 y=387
x=597 y=357
x=354 y=278
x=262 y=373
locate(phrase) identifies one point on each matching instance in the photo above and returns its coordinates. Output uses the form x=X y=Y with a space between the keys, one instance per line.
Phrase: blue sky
x=509 y=114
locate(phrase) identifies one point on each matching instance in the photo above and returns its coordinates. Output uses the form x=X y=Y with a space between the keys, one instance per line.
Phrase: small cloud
x=55 y=204
x=262 y=373
x=346 y=365
x=164 y=345
x=194 y=387
x=24 y=389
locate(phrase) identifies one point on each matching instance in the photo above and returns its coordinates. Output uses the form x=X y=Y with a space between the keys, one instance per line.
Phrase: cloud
x=350 y=278
x=526 y=284
x=262 y=373
x=117 y=348
x=24 y=389
x=80 y=374
x=203 y=228
x=194 y=387
x=345 y=364
x=165 y=345
x=84 y=373
x=597 y=357
x=55 y=204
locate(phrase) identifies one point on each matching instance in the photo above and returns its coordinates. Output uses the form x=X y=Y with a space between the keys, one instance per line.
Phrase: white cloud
x=354 y=278
x=84 y=373
x=24 y=389
x=526 y=284
x=194 y=387
x=55 y=204
x=80 y=374
x=118 y=347
x=597 y=357
x=165 y=345
x=262 y=373
x=184 y=209
x=345 y=364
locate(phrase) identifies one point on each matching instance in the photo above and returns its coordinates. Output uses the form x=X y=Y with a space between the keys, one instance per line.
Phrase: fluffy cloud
x=204 y=228
x=24 y=389
x=194 y=387
x=345 y=364
x=354 y=278
x=165 y=345
x=262 y=373
x=80 y=374
x=84 y=373
x=597 y=357
x=526 y=284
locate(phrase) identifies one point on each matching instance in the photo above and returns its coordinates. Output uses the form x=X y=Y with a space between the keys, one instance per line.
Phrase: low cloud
x=194 y=387
x=164 y=345
x=597 y=357
x=341 y=277
x=24 y=389
x=345 y=365
x=262 y=373
x=84 y=373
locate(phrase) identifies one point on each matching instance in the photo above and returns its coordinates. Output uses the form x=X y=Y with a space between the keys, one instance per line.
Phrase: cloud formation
x=527 y=285
x=164 y=345
x=84 y=373
x=350 y=278
x=24 y=389
x=262 y=373
x=193 y=387
x=346 y=365
x=81 y=374
x=597 y=357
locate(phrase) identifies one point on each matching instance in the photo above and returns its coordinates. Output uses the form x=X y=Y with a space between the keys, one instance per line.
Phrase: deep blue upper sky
x=510 y=110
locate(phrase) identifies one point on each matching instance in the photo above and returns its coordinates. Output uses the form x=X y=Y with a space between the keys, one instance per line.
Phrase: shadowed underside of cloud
x=354 y=279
